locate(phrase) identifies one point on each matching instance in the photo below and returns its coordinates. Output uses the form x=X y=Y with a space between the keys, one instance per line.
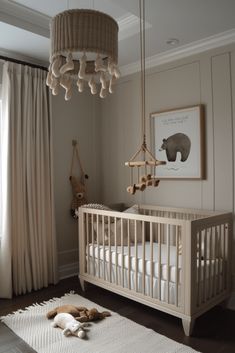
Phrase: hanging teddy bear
x=79 y=195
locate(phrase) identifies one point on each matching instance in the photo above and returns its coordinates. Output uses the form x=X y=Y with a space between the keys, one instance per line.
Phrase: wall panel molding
x=223 y=136
x=68 y=270
x=184 y=51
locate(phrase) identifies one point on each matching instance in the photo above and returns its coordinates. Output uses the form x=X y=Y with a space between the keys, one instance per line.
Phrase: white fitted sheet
x=163 y=290
x=118 y=258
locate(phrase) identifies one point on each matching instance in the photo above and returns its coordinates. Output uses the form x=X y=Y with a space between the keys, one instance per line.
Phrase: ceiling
x=197 y=24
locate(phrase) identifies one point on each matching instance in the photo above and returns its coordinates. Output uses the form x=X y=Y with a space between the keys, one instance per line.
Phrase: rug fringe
x=27 y=308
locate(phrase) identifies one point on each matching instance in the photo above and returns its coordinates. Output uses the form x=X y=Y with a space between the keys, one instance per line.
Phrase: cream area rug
x=114 y=334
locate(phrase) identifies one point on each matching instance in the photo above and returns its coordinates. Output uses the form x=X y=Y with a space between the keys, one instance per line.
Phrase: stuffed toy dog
x=69 y=325
x=92 y=315
x=80 y=313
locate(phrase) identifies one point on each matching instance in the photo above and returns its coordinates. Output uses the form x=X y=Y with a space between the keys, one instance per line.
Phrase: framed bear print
x=177 y=137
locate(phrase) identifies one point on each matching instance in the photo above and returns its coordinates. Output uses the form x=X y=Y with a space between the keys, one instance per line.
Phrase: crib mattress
x=130 y=261
x=119 y=273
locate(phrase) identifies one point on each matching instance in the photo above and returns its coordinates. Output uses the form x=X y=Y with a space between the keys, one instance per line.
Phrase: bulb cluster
x=101 y=77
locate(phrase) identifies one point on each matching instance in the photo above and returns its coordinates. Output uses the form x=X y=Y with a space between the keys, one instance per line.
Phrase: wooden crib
x=174 y=260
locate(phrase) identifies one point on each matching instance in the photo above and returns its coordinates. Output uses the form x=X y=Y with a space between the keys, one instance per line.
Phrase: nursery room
x=117 y=176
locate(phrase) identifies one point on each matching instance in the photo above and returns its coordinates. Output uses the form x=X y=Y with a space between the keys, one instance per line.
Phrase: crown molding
x=184 y=51
x=129 y=25
x=23 y=17
x=36 y=22
x=27 y=59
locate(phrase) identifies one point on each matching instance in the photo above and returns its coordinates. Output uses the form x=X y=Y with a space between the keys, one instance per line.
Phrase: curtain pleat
x=34 y=254
x=5 y=232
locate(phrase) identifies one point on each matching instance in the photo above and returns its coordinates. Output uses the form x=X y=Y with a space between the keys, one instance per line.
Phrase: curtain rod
x=35 y=66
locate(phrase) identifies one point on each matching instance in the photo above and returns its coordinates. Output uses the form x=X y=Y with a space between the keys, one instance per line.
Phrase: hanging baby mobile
x=142 y=172
x=77 y=183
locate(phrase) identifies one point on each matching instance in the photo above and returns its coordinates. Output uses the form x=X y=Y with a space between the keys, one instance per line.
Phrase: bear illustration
x=176 y=143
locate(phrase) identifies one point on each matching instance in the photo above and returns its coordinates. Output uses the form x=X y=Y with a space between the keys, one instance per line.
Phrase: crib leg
x=188 y=326
x=83 y=284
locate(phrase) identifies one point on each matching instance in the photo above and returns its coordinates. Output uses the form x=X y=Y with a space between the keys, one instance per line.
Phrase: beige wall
x=108 y=133
x=208 y=79
x=75 y=119
x=204 y=79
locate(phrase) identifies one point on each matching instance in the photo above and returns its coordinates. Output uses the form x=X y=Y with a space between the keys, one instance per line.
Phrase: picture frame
x=177 y=137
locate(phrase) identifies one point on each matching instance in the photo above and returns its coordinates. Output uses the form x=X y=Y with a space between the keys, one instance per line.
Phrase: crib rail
x=212 y=239
x=170 y=260
x=137 y=253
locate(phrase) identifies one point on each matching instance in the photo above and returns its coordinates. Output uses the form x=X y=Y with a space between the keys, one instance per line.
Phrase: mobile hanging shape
x=145 y=174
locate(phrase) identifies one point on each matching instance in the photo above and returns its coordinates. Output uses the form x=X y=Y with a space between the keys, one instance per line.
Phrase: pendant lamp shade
x=84 y=46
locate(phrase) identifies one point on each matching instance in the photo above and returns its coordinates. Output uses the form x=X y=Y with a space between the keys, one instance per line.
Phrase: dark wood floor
x=214 y=331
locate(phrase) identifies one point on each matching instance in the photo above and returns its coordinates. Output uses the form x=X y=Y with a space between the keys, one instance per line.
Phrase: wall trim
x=17 y=56
x=231 y=302
x=68 y=251
x=129 y=25
x=181 y=52
x=23 y=17
x=68 y=270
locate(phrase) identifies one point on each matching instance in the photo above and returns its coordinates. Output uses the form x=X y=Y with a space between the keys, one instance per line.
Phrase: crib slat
x=210 y=264
x=122 y=252
x=159 y=261
x=116 y=258
x=217 y=259
x=98 y=244
x=110 y=254
x=223 y=256
x=128 y=244
x=143 y=259
x=151 y=258
x=199 y=266
x=226 y=256
x=214 y=261
x=136 y=258
x=220 y=269
x=103 y=247
x=93 y=246
x=177 y=266
x=86 y=247
x=205 y=264
x=168 y=260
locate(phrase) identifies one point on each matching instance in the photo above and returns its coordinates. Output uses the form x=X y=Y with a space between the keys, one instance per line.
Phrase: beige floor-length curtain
x=31 y=226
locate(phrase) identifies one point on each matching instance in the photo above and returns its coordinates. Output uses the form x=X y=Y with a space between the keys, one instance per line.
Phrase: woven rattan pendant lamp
x=84 y=50
x=145 y=168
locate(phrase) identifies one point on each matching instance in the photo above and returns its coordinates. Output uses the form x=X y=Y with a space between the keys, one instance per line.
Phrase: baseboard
x=231 y=302
x=68 y=270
